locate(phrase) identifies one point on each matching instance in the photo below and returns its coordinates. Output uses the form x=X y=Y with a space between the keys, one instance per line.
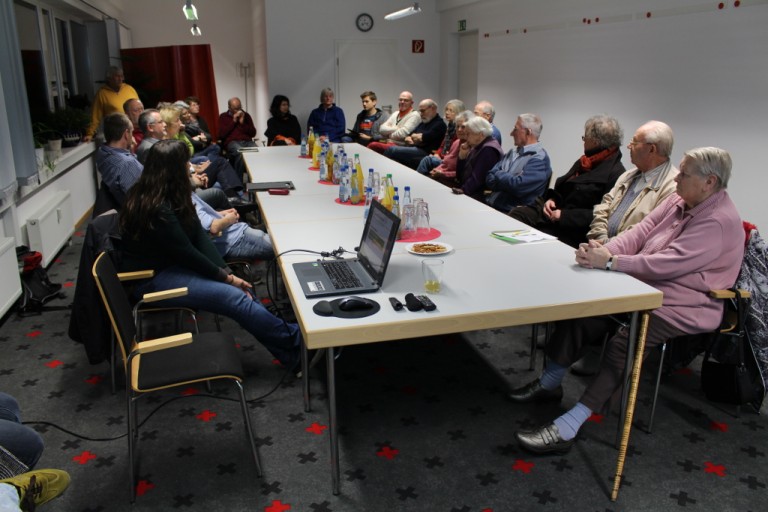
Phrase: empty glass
x=422 y=218
x=432 y=271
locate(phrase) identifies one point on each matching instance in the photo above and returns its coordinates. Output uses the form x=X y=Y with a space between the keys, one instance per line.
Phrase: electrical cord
x=156 y=409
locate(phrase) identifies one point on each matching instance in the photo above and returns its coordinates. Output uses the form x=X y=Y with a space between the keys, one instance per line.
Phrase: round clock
x=364 y=22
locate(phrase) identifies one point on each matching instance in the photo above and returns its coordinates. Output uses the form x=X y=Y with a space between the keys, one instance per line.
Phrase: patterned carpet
x=425 y=426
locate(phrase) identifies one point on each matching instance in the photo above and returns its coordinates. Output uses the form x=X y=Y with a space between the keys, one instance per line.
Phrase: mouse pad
x=331 y=308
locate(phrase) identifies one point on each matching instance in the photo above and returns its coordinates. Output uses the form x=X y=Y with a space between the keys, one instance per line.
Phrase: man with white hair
x=486 y=110
x=523 y=174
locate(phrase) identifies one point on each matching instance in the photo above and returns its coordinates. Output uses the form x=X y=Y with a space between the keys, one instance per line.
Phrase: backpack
x=36 y=288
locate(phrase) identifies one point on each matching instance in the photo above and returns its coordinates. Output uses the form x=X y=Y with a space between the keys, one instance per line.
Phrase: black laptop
x=364 y=274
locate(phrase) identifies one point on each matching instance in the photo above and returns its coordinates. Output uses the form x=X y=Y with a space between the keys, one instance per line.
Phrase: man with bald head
x=639 y=190
x=425 y=139
x=236 y=131
x=486 y=110
x=133 y=109
x=399 y=125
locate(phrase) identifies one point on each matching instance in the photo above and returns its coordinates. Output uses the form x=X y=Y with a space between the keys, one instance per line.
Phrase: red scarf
x=589 y=162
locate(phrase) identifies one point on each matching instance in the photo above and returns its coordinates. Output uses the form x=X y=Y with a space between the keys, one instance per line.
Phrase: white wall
x=705 y=73
x=300 y=40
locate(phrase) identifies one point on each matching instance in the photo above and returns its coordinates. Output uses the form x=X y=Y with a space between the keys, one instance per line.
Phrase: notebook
x=325 y=278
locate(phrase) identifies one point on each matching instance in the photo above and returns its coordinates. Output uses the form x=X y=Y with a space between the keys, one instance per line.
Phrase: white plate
x=445 y=248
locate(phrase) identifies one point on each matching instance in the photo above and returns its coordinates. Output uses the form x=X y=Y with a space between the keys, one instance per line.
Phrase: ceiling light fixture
x=195 y=30
x=189 y=11
x=402 y=13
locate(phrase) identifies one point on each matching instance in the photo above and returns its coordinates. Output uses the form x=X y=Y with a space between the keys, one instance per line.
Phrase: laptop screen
x=378 y=240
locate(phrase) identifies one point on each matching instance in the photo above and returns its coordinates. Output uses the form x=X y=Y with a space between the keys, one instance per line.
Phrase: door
x=363 y=65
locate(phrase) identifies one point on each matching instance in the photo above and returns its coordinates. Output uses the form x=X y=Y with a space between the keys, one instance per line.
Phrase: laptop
x=364 y=274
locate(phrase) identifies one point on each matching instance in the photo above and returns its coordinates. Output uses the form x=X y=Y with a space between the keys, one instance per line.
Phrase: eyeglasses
x=633 y=143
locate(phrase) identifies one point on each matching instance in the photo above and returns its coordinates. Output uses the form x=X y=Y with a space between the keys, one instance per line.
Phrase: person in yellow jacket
x=110 y=98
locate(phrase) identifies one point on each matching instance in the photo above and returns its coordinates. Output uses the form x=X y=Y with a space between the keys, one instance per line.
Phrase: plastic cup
x=432 y=271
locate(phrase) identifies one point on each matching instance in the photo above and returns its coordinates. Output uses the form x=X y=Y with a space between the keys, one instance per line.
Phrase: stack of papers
x=519 y=236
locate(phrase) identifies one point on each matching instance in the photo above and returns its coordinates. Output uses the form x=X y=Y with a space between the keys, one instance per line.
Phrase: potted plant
x=71 y=123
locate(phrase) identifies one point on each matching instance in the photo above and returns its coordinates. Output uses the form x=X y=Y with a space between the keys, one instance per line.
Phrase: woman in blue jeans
x=24 y=443
x=161 y=231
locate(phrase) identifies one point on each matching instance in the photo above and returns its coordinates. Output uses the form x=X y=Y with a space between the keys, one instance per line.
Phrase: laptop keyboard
x=341 y=275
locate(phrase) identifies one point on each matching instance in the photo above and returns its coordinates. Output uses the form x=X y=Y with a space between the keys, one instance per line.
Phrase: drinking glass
x=422 y=218
x=432 y=271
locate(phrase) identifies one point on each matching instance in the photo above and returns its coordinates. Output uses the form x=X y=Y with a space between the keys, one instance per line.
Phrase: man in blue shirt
x=328 y=119
x=118 y=167
x=524 y=172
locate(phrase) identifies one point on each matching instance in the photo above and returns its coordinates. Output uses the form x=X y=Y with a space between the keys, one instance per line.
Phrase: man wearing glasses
x=425 y=139
x=399 y=125
x=639 y=190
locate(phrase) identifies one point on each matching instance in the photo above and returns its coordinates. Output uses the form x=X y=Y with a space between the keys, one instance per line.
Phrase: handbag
x=726 y=373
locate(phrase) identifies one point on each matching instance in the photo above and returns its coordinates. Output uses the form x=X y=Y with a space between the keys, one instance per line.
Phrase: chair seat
x=210 y=355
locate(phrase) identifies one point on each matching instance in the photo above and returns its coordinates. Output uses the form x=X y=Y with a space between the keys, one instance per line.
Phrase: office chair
x=177 y=360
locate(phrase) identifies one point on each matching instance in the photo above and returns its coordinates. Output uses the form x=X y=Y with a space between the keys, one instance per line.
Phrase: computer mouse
x=354 y=304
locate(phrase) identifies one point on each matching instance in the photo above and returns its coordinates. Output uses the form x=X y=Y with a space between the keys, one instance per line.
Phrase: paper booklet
x=519 y=236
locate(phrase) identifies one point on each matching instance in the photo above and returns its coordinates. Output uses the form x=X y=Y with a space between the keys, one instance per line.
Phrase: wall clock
x=364 y=22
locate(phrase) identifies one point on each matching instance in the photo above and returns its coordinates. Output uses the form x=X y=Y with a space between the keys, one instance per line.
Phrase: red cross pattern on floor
x=84 y=457
x=143 y=486
x=206 y=415
x=523 y=466
x=316 y=428
x=388 y=452
x=718 y=469
x=277 y=506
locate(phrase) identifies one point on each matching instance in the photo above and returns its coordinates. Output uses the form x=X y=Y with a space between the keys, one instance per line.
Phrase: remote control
x=412 y=303
x=426 y=302
x=396 y=304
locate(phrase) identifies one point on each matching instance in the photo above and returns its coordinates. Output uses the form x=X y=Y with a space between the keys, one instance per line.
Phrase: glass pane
x=33 y=60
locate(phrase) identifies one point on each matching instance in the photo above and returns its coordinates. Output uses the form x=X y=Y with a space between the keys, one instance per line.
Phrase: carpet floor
x=424 y=426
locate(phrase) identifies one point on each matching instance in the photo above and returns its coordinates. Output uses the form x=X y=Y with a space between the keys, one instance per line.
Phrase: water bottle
x=368 y=199
x=303 y=145
x=407 y=196
x=370 y=179
x=323 y=167
x=396 y=211
x=344 y=188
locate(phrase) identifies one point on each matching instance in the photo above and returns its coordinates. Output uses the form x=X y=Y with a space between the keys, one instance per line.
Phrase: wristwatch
x=609 y=263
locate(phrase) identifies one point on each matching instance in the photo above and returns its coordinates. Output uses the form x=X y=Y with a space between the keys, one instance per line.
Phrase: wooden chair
x=177 y=360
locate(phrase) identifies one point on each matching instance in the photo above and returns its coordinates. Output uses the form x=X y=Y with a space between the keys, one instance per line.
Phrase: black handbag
x=729 y=373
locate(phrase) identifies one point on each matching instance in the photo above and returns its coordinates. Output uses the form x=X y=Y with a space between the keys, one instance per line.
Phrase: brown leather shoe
x=533 y=392
x=544 y=440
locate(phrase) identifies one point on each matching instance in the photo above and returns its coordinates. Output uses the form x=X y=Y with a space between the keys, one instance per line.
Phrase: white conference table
x=487 y=283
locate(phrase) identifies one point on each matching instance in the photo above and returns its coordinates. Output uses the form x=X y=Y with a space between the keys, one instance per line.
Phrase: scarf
x=588 y=162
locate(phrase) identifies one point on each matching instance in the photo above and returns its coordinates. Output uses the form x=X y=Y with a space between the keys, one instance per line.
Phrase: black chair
x=178 y=360
x=730 y=323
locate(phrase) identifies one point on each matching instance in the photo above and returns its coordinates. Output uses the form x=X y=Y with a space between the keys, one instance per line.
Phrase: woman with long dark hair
x=161 y=231
x=283 y=128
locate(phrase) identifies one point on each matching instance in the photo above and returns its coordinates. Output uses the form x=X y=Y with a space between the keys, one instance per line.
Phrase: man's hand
x=417 y=138
x=550 y=210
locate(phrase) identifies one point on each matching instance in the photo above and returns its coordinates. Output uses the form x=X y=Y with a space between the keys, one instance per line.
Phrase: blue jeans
x=24 y=443
x=408 y=156
x=428 y=163
x=254 y=244
x=282 y=339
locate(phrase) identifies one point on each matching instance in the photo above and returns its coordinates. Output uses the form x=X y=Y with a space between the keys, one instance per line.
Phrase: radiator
x=9 y=270
x=50 y=228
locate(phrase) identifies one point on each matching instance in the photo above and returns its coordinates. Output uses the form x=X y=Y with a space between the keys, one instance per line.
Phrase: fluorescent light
x=195 y=30
x=402 y=13
x=189 y=11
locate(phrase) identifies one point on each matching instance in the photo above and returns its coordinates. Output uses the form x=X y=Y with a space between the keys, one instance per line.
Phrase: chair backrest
x=116 y=302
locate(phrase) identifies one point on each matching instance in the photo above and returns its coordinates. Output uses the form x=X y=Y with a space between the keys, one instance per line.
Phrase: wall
x=705 y=73
x=301 y=47
x=225 y=24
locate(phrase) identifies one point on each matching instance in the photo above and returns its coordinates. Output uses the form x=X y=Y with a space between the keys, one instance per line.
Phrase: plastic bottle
x=344 y=188
x=323 y=167
x=389 y=193
x=407 y=196
x=369 y=183
x=368 y=199
x=360 y=175
x=329 y=154
x=396 y=211
x=311 y=142
x=303 y=145
x=318 y=146
x=334 y=171
x=354 y=193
